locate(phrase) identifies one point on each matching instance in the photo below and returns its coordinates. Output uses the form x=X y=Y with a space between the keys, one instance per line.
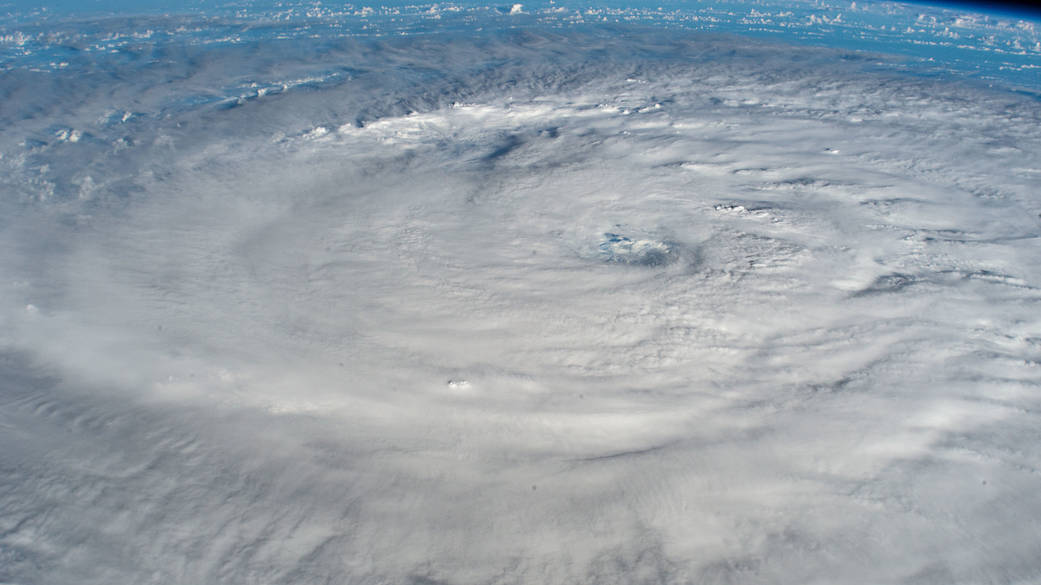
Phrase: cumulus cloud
x=521 y=307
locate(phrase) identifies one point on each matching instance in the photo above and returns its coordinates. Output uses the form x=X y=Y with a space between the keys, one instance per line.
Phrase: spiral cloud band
x=593 y=304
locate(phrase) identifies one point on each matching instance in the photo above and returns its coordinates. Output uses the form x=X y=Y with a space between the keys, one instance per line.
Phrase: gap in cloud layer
x=975 y=42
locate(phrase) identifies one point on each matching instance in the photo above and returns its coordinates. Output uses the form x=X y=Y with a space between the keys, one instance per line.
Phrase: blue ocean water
x=993 y=46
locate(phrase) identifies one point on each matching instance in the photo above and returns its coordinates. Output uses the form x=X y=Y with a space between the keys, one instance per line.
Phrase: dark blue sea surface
x=994 y=46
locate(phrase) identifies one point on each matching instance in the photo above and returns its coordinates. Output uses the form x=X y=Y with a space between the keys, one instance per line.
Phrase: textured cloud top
x=594 y=305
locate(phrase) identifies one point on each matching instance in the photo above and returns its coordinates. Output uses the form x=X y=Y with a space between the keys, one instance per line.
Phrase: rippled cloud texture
x=608 y=305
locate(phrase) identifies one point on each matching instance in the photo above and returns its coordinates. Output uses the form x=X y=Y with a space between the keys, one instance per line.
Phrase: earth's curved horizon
x=532 y=293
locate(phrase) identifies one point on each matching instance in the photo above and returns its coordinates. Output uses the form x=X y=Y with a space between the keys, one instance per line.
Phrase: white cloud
x=407 y=350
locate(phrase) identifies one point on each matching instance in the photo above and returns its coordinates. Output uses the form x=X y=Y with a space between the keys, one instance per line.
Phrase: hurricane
x=543 y=293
